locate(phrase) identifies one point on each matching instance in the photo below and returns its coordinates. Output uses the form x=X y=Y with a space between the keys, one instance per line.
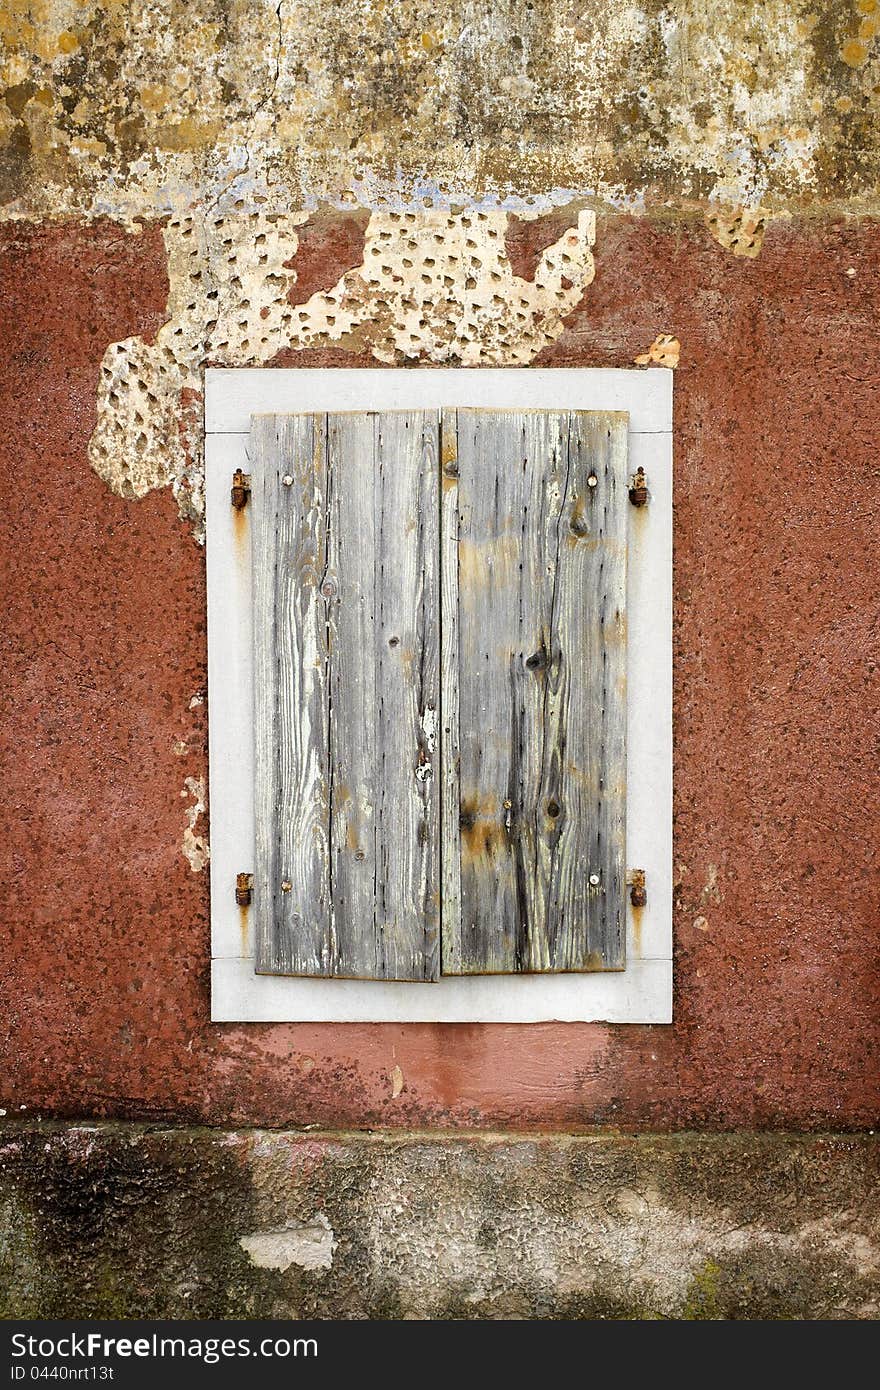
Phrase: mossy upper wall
x=139 y=106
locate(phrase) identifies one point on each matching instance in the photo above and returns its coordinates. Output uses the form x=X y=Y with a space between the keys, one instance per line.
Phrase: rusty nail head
x=286 y=886
x=287 y=480
x=592 y=481
x=328 y=588
x=241 y=489
x=244 y=889
x=638 y=488
x=594 y=880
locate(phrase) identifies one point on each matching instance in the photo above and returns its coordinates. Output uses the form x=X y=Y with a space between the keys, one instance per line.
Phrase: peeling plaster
x=195 y=846
x=664 y=351
x=309 y=1244
x=432 y=286
x=234 y=120
x=738 y=230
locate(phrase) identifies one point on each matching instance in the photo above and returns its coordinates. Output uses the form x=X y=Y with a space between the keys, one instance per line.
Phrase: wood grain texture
x=536 y=746
x=291 y=904
x=371 y=523
x=450 y=933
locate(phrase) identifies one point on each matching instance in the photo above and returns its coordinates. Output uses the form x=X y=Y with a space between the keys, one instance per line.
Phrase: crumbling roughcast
x=123 y=1221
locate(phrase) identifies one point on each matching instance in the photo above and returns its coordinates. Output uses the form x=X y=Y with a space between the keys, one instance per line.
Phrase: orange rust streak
x=637 y=918
x=239 y=529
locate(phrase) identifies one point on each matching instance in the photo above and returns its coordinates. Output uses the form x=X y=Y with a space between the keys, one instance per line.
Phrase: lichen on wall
x=127 y=104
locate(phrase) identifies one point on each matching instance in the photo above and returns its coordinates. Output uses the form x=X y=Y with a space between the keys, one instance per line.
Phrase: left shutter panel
x=346 y=692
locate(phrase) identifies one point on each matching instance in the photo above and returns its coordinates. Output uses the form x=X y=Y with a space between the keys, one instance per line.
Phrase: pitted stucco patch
x=740 y=230
x=433 y=285
x=227 y=303
x=576 y=1242
x=309 y=1244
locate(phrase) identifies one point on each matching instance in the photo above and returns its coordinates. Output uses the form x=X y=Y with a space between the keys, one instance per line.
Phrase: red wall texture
x=105 y=951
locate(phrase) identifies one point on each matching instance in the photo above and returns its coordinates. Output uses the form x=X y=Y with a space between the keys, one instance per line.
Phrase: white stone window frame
x=642 y=993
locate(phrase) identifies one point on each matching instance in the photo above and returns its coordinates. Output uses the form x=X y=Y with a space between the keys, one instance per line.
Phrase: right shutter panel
x=534 y=691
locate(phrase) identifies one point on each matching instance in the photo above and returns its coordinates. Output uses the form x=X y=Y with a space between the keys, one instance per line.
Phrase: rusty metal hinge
x=241 y=489
x=638 y=893
x=638 y=488
x=244 y=889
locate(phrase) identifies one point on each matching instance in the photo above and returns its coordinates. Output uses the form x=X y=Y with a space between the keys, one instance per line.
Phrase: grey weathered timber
x=450 y=935
x=291 y=694
x=346 y=647
x=534 y=692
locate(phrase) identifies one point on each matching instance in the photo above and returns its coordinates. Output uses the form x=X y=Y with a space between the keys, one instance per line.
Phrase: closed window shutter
x=534 y=691
x=387 y=547
x=346 y=654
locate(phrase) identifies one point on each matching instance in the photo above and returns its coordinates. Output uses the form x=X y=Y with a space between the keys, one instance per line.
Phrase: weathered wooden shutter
x=368 y=577
x=346 y=648
x=534 y=691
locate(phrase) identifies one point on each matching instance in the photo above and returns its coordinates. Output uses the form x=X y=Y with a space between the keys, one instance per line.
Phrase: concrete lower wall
x=131 y=1221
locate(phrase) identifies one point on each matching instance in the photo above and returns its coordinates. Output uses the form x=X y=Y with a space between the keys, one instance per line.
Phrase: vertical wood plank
x=383 y=572
x=348 y=585
x=291 y=767
x=450 y=934
x=407 y=586
x=346 y=640
x=587 y=717
x=540 y=557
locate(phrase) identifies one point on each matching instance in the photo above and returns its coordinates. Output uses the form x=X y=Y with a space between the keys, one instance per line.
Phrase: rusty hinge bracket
x=241 y=489
x=244 y=889
x=638 y=488
x=638 y=893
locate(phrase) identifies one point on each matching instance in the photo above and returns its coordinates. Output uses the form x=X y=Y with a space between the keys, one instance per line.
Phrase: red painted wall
x=104 y=956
